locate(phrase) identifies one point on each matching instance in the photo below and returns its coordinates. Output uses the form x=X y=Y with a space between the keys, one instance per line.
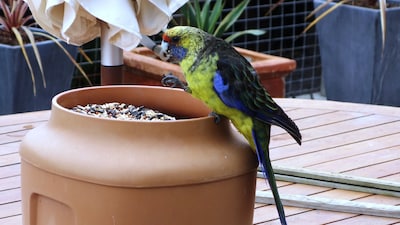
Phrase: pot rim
x=60 y=104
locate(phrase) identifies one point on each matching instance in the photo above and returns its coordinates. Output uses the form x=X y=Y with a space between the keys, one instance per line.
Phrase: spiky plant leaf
x=28 y=61
x=36 y=52
x=382 y=9
x=319 y=18
x=231 y=18
x=254 y=32
x=215 y=14
x=66 y=53
x=206 y=17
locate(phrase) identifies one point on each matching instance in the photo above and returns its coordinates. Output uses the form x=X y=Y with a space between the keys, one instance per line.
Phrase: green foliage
x=15 y=20
x=207 y=17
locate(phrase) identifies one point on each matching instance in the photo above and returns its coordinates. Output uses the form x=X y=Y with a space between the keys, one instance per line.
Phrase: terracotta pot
x=142 y=67
x=78 y=169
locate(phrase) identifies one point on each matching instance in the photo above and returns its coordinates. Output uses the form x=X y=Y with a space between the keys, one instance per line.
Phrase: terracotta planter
x=78 y=169
x=142 y=67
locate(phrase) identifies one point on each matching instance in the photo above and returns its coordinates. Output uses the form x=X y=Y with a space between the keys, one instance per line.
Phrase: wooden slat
x=316 y=120
x=394 y=177
x=344 y=195
x=8 y=196
x=335 y=153
x=269 y=213
x=9 y=148
x=334 y=105
x=20 y=127
x=301 y=113
x=347 y=127
x=380 y=199
x=336 y=180
x=359 y=161
x=10 y=209
x=333 y=141
x=12 y=220
x=301 y=189
x=380 y=170
x=9 y=159
x=330 y=154
x=344 y=182
x=23 y=118
x=10 y=171
x=365 y=219
x=12 y=137
x=332 y=204
x=313 y=217
x=10 y=183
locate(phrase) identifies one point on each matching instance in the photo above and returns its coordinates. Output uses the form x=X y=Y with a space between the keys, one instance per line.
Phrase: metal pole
x=111 y=60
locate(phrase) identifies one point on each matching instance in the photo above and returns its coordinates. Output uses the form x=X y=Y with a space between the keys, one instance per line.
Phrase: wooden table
x=342 y=143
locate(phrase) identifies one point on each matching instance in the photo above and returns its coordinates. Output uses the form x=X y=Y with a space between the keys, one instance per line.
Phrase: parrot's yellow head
x=182 y=42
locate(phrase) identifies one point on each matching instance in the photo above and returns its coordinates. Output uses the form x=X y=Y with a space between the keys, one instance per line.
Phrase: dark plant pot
x=16 y=90
x=354 y=67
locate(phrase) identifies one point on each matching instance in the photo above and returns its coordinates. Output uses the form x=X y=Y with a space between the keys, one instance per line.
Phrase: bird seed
x=122 y=111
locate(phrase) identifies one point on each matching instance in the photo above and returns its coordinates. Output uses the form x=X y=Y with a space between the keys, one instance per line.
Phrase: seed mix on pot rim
x=122 y=111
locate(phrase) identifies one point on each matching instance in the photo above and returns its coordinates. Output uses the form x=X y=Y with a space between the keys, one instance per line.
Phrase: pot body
x=355 y=67
x=78 y=169
x=16 y=90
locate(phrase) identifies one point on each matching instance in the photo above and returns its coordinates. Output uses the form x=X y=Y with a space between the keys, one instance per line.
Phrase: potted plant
x=104 y=170
x=360 y=51
x=27 y=56
x=143 y=67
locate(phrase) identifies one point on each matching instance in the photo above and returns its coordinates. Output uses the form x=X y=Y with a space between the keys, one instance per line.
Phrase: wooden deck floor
x=355 y=140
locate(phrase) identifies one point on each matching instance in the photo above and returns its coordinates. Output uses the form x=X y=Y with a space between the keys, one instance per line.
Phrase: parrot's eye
x=175 y=39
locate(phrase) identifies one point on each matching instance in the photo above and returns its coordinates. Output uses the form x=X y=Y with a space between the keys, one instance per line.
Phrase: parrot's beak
x=163 y=51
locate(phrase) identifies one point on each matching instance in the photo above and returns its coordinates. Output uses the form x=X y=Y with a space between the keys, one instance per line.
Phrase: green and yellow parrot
x=227 y=83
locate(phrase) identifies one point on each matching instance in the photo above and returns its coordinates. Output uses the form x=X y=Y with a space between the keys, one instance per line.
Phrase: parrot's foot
x=170 y=80
x=217 y=117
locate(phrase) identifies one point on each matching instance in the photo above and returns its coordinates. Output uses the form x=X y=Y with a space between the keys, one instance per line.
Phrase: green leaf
x=35 y=51
x=83 y=53
x=197 y=14
x=231 y=18
x=189 y=13
x=28 y=62
x=240 y=33
x=214 y=16
x=382 y=8
x=204 y=14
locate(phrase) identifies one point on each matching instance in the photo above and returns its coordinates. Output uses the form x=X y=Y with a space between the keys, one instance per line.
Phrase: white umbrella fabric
x=121 y=24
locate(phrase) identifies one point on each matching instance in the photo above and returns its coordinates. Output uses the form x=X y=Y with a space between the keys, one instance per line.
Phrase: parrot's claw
x=217 y=117
x=170 y=80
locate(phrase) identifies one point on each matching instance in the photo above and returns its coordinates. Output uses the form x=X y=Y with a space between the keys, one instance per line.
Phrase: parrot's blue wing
x=238 y=86
x=225 y=94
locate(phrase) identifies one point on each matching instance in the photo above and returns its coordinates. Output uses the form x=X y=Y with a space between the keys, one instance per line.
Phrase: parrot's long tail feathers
x=261 y=135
